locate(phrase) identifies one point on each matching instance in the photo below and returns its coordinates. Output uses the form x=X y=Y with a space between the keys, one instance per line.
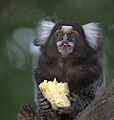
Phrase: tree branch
x=102 y=108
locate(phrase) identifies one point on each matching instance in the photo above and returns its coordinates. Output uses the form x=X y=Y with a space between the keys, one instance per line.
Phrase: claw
x=42 y=99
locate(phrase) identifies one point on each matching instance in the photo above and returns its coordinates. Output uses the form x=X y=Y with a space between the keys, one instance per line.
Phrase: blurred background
x=18 y=20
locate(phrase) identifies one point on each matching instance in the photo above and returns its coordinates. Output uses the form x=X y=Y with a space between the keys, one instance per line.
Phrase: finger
x=44 y=103
x=46 y=107
x=71 y=98
x=42 y=99
x=61 y=110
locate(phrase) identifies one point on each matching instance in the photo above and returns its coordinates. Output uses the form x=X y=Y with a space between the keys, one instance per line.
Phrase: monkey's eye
x=74 y=34
x=59 y=33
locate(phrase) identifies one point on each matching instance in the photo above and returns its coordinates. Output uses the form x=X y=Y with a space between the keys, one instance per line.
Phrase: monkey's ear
x=43 y=31
x=93 y=35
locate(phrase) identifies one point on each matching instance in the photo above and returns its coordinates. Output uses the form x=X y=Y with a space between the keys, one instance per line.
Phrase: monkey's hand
x=46 y=111
x=44 y=104
x=67 y=110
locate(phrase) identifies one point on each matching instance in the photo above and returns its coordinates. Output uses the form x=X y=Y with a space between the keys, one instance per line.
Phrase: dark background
x=18 y=20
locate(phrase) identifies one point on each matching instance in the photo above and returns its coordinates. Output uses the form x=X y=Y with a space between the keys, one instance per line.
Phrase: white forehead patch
x=66 y=28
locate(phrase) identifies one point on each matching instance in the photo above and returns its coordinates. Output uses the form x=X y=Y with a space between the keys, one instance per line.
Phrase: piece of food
x=56 y=93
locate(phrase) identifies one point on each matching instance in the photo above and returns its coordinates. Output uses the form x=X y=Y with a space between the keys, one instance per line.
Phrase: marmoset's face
x=67 y=37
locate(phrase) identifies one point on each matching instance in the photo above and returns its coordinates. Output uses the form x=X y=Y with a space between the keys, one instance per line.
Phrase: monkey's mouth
x=65 y=48
x=64 y=44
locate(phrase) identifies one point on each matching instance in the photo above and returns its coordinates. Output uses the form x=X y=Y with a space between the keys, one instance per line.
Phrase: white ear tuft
x=93 y=35
x=43 y=32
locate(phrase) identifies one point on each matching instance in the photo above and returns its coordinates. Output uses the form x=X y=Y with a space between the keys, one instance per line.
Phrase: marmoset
x=71 y=53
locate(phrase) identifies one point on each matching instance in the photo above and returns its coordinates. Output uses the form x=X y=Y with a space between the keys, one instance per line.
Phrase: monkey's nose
x=65 y=38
